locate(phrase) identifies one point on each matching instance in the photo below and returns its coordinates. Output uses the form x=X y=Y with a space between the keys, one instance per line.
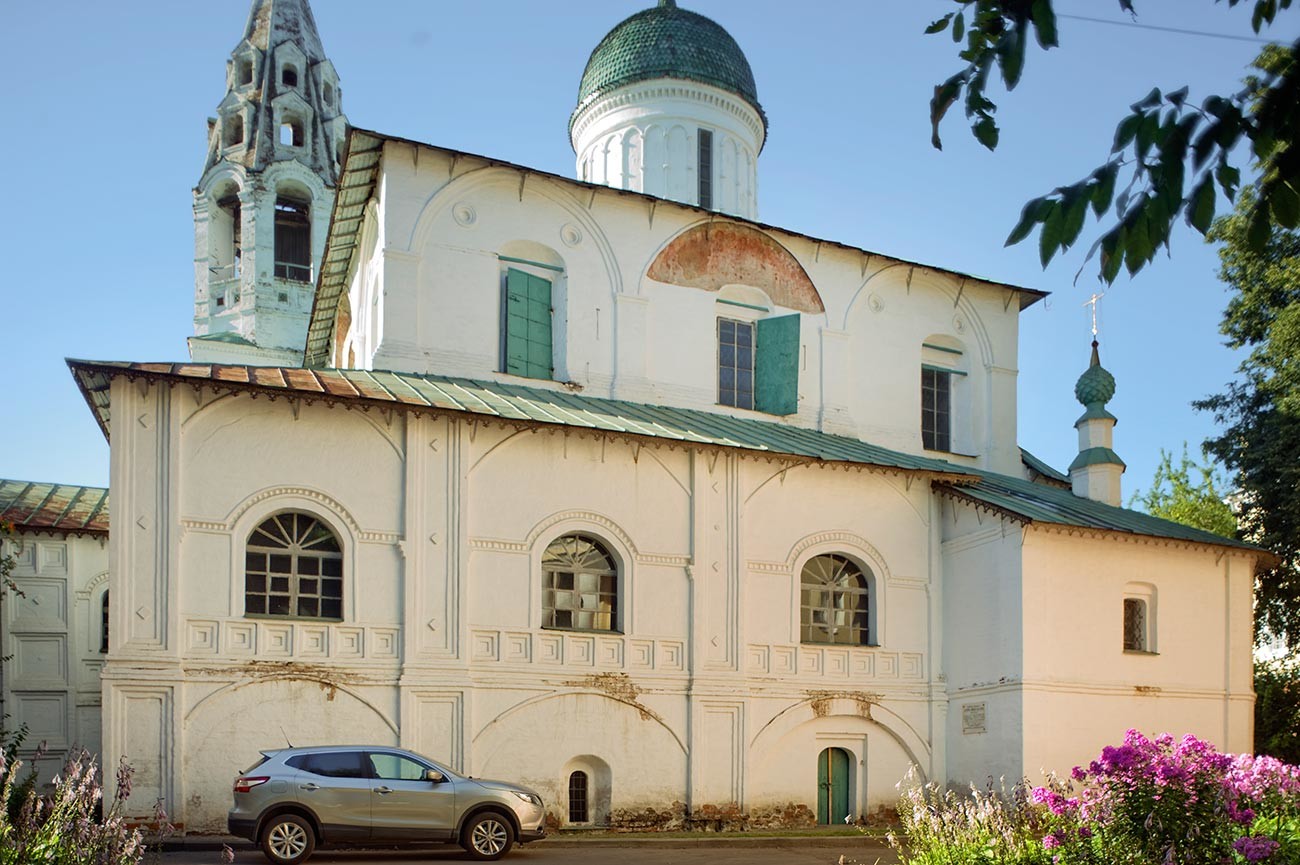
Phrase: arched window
x=836 y=604
x=578 y=798
x=579 y=585
x=293 y=566
x=289 y=75
x=103 y=623
x=292 y=239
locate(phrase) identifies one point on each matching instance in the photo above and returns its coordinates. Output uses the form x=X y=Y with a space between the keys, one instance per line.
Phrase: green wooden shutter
x=528 y=348
x=776 y=365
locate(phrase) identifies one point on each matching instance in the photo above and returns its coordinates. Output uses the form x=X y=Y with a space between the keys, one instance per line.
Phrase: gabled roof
x=1041 y=468
x=1027 y=502
x=54 y=508
x=362 y=163
x=516 y=405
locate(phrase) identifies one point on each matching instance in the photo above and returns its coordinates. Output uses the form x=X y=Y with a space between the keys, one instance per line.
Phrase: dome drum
x=667 y=106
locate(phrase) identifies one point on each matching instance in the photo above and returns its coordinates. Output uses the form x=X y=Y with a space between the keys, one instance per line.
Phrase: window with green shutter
x=758 y=364
x=527 y=325
x=776 y=365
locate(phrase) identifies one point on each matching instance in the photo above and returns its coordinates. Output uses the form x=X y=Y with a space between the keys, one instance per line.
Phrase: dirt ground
x=759 y=851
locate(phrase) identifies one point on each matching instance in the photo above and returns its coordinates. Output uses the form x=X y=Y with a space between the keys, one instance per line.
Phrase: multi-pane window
x=706 y=168
x=735 y=363
x=293 y=566
x=579 y=585
x=578 y=797
x=836 y=601
x=1135 y=625
x=292 y=240
x=936 y=409
x=527 y=342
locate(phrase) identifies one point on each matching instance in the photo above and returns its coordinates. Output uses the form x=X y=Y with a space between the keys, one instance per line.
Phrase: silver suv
x=295 y=798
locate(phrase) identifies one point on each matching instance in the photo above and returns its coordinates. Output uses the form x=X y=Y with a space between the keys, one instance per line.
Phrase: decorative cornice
x=641 y=92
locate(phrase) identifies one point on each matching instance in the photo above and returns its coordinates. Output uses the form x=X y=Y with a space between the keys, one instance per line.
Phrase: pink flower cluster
x=1145 y=784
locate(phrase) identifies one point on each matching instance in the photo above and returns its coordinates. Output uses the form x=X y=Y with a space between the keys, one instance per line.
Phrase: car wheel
x=488 y=836
x=287 y=839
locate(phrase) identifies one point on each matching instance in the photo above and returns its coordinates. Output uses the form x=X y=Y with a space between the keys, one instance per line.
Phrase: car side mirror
x=434 y=776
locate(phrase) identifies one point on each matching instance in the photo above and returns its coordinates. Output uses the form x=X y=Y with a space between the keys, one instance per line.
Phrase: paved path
x=774 y=851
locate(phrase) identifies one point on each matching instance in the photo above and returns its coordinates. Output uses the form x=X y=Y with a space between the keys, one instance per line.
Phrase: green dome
x=1096 y=386
x=667 y=42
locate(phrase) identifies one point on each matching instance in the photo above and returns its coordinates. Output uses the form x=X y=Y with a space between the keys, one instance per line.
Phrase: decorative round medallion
x=874 y=301
x=570 y=234
x=464 y=215
x=959 y=324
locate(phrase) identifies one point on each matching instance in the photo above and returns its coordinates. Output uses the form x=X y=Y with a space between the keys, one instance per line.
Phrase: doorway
x=833 y=787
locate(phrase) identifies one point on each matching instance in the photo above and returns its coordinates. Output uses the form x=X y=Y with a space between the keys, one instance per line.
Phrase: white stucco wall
x=703 y=696
x=1083 y=690
x=425 y=294
x=51 y=645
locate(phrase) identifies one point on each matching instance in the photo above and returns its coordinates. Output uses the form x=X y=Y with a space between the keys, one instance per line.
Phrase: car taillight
x=244 y=785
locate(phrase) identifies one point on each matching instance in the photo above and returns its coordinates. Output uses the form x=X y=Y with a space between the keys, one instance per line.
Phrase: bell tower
x=263 y=204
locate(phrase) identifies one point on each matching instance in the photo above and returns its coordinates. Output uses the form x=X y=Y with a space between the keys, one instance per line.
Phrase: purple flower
x=1255 y=848
x=1054 y=840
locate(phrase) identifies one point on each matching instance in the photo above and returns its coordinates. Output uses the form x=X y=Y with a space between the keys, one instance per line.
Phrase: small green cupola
x=1096 y=386
x=1095 y=472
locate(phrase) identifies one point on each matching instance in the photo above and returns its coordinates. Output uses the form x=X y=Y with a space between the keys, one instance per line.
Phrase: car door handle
x=309 y=786
x=383 y=790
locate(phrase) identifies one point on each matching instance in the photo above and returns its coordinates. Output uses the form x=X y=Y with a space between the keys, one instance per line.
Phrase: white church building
x=599 y=484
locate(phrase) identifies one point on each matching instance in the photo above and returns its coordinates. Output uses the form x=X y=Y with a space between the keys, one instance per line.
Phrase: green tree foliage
x=1260 y=411
x=1277 y=709
x=1169 y=155
x=1188 y=493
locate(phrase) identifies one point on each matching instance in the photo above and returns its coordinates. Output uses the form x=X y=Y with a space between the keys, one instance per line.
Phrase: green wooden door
x=832 y=787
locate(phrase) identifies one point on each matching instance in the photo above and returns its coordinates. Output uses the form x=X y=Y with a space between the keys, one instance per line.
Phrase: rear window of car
x=332 y=764
x=255 y=765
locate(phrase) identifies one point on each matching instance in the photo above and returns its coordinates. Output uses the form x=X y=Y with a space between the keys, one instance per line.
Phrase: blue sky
x=104 y=139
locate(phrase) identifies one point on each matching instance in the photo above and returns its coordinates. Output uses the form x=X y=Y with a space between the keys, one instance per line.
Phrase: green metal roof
x=524 y=406
x=227 y=337
x=513 y=404
x=1042 y=468
x=54 y=508
x=1028 y=502
x=667 y=42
